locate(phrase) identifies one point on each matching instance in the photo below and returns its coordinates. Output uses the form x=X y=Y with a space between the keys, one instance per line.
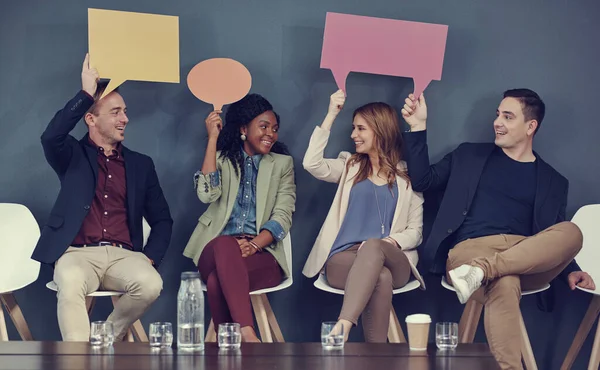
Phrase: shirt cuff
x=275 y=229
x=213 y=178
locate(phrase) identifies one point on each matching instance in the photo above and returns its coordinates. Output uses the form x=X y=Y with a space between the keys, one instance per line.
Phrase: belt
x=102 y=244
x=244 y=236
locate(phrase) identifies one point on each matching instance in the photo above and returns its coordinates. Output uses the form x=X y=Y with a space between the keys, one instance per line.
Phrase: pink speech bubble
x=383 y=46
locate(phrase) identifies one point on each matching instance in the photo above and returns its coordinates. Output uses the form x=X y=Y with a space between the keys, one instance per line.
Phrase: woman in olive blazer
x=248 y=179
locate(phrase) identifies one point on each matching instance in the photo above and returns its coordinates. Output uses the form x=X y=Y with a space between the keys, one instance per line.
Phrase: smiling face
x=108 y=120
x=261 y=133
x=362 y=135
x=510 y=126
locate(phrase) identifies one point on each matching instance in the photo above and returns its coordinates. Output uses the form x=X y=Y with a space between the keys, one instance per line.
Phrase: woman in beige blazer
x=367 y=245
x=248 y=179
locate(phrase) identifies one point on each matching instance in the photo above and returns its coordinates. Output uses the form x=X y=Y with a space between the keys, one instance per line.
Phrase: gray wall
x=550 y=46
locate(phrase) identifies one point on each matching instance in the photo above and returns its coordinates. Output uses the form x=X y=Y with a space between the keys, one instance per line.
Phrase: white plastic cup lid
x=419 y=318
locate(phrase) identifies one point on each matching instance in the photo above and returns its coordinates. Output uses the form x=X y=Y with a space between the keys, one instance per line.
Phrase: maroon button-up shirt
x=107 y=218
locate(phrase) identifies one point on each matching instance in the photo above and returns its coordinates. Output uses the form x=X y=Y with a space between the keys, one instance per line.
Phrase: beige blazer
x=407 y=224
x=275 y=200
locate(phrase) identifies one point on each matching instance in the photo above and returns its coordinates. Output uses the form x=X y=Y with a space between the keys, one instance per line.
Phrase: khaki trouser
x=80 y=271
x=368 y=277
x=511 y=263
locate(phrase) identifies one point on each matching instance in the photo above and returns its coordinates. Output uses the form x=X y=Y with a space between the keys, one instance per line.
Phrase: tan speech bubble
x=219 y=81
x=133 y=46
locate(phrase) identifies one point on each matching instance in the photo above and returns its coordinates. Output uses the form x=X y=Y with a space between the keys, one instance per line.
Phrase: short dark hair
x=531 y=103
x=101 y=86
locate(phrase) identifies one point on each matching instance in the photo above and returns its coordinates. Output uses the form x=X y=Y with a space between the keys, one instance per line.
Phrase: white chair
x=265 y=318
x=470 y=320
x=395 y=333
x=588 y=220
x=19 y=233
x=137 y=328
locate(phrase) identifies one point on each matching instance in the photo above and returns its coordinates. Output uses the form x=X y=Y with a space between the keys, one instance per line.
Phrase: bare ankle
x=249 y=335
x=347 y=325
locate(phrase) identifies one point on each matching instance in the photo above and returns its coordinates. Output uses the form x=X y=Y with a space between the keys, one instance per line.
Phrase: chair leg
x=584 y=329
x=395 y=333
x=272 y=320
x=3 y=331
x=138 y=330
x=595 y=356
x=526 y=350
x=211 y=334
x=13 y=309
x=469 y=321
x=262 y=319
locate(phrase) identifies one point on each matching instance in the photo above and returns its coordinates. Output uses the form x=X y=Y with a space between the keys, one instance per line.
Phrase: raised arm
x=208 y=180
x=56 y=141
x=325 y=169
x=423 y=175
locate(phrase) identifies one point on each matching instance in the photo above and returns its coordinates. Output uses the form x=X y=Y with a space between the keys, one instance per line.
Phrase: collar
x=255 y=158
x=99 y=149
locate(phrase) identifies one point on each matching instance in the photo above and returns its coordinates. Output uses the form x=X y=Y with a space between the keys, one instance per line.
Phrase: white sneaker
x=466 y=279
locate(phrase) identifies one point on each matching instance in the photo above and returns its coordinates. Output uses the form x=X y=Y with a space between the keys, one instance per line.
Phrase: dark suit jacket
x=75 y=162
x=458 y=174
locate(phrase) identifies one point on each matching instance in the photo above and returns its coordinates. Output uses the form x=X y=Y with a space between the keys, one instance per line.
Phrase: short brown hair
x=102 y=85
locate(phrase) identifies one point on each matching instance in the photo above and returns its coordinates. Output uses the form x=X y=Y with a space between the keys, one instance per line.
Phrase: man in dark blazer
x=93 y=236
x=501 y=221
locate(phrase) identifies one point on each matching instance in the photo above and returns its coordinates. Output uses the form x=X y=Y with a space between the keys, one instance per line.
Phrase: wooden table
x=285 y=356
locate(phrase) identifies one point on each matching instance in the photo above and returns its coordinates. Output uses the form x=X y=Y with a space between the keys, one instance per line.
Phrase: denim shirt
x=243 y=215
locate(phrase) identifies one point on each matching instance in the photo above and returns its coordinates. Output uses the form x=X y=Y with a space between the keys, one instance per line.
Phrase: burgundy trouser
x=230 y=278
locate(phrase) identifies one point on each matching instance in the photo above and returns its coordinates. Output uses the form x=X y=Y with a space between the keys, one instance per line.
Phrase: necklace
x=379 y=209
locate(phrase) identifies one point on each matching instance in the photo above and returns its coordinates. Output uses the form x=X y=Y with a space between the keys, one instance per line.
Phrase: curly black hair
x=240 y=114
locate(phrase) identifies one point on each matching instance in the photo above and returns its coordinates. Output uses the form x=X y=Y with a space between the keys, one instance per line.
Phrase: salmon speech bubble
x=383 y=46
x=133 y=46
x=219 y=81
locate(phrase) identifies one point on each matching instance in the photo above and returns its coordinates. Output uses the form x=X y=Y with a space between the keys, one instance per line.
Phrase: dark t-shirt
x=503 y=202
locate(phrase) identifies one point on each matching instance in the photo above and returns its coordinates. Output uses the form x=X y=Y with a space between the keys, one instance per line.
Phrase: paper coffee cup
x=418 y=331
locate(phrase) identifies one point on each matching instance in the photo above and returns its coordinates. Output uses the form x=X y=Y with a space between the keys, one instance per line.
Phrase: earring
x=243 y=137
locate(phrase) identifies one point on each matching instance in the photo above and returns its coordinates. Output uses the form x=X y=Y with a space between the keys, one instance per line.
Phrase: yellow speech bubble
x=133 y=46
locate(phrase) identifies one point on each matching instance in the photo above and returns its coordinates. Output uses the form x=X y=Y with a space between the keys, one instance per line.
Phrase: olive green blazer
x=275 y=200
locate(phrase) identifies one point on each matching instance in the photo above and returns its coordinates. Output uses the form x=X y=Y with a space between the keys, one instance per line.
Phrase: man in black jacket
x=94 y=235
x=501 y=222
